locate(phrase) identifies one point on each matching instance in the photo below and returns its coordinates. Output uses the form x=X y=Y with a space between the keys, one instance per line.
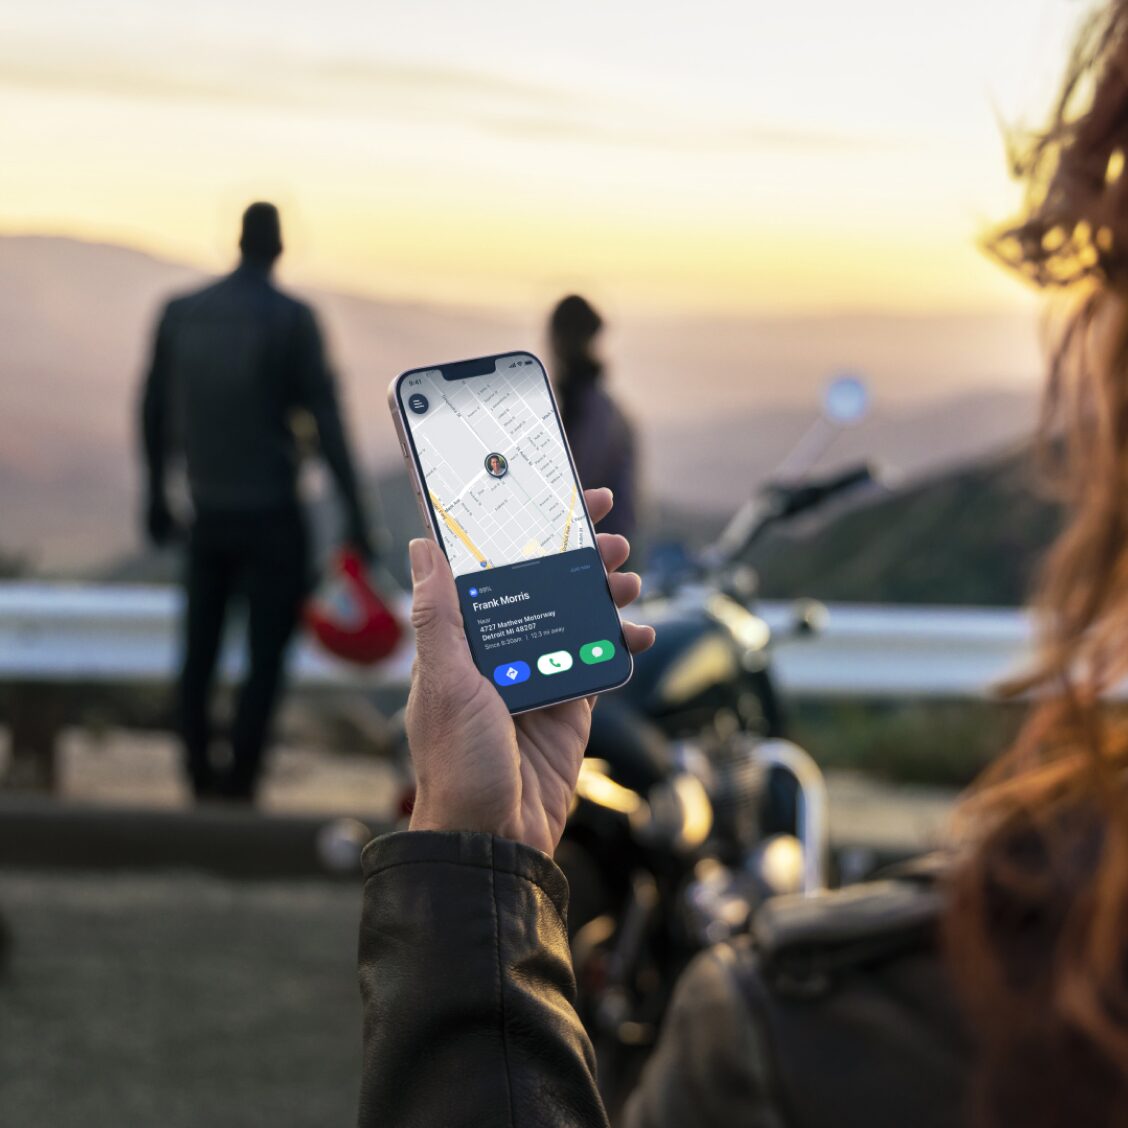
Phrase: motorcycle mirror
x=846 y=400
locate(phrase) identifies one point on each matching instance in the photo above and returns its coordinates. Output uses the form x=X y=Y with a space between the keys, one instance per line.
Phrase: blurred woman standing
x=601 y=438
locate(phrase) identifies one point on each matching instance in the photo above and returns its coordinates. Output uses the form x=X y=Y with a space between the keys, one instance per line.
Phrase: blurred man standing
x=231 y=366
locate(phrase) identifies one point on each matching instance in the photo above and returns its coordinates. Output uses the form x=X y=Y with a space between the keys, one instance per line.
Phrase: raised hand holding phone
x=497 y=486
x=477 y=767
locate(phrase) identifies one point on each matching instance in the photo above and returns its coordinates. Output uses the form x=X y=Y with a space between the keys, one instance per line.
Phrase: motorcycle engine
x=737 y=790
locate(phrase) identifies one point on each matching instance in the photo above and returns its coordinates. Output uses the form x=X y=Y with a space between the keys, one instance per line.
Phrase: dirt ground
x=178 y=1001
x=126 y=769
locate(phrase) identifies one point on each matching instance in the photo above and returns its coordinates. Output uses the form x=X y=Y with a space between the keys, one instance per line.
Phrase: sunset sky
x=723 y=156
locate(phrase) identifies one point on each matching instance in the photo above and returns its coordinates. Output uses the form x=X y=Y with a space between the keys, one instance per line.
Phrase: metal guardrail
x=904 y=651
x=121 y=634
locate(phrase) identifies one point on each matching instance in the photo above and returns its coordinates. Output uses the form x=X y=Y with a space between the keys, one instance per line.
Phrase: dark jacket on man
x=232 y=364
x=836 y=1012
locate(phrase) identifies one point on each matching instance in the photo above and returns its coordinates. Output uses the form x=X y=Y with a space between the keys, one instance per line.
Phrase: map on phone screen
x=495 y=466
x=506 y=505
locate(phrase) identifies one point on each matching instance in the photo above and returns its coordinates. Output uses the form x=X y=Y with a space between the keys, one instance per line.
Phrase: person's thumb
x=434 y=606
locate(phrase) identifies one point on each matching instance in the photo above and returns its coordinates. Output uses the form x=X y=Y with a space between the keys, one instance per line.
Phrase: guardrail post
x=35 y=723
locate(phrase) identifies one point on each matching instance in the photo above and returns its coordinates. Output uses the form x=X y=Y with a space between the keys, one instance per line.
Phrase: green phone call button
x=595 y=652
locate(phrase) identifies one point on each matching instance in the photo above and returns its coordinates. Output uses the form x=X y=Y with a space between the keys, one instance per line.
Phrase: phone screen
x=504 y=500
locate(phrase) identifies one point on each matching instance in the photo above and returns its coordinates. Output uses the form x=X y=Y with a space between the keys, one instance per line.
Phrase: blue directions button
x=511 y=673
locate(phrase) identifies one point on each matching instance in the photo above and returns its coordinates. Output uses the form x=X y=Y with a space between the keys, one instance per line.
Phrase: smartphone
x=498 y=490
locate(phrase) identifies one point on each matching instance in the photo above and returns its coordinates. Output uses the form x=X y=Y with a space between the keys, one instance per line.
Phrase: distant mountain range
x=76 y=321
x=717 y=401
x=973 y=535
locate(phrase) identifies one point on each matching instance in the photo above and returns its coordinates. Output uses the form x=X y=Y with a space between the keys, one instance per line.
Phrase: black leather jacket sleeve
x=468 y=990
x=317 y=392
x=154 y=413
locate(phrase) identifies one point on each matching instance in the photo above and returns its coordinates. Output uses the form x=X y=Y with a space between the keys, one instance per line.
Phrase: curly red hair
x=1038 y=923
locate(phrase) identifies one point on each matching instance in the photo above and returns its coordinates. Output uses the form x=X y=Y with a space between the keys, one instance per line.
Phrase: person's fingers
x=614 y=549
x=434 y=608
x=625 y=587
x=639 y=638
x=599 y=503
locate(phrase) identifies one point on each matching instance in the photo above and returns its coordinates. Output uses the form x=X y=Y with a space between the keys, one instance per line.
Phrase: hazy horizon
x=716 y=400
x=288 y=278
x=814 y=159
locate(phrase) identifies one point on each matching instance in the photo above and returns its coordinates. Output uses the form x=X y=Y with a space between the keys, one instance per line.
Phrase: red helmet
x=349 y=618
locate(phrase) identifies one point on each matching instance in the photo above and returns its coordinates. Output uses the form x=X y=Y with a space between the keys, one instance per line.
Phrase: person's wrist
x=435 y=811
x=424 y=816
x=432 y=813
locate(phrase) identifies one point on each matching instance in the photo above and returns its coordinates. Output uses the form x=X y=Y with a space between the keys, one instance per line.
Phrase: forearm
x=155 y=471
x=153 y=415
x=468 y=989
x=316 y=391
x=335 y=451
x=153 y=430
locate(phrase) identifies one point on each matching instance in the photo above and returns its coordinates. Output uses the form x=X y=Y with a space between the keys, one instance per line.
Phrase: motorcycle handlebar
x=859 y=475
x=797 y=499
x=779 y=502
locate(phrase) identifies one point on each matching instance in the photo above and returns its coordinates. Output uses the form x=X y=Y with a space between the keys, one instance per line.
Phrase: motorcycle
x=692 y=806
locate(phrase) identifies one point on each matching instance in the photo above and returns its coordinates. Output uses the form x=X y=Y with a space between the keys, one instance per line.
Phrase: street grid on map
x=534 y=509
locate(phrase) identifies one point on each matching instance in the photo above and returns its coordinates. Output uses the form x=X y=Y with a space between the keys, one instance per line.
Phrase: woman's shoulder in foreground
x=832 y=1007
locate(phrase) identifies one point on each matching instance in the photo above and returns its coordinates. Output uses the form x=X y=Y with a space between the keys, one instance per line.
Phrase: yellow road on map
x=457 y=529
x=568 y=523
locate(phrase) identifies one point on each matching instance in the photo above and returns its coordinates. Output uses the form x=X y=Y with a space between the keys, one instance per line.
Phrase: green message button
x=594 y=652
